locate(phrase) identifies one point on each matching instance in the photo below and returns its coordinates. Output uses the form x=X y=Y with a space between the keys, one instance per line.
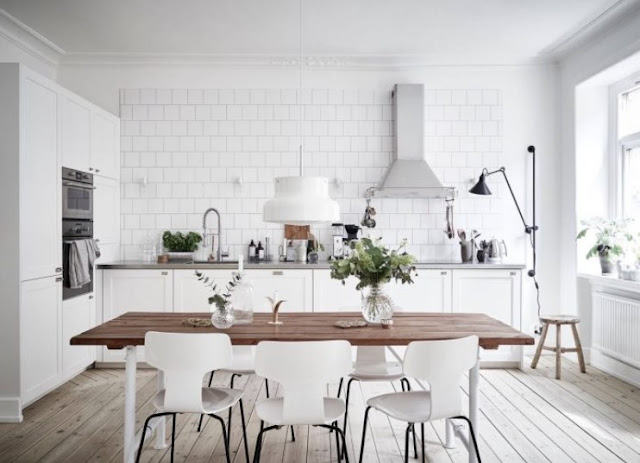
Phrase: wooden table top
x=130 y=328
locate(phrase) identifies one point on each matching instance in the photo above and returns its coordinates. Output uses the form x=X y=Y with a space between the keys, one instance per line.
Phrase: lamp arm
x=502 y=170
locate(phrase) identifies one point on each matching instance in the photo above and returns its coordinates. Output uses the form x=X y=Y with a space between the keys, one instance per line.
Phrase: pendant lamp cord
x=301 y=116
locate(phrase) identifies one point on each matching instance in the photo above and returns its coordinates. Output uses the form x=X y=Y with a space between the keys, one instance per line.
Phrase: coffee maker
x=352 y=237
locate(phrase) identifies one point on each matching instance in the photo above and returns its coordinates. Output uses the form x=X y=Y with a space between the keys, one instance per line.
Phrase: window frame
x=619 y=145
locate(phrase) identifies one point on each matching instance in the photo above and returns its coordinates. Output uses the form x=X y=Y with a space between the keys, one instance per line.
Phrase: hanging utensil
x=449 y=229
x=369 y=211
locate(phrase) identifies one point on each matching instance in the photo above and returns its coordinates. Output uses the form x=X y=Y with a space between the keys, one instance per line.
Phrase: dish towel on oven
x=82 y=256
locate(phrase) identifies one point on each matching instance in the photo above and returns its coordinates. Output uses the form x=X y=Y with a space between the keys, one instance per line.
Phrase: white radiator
x=616 y=327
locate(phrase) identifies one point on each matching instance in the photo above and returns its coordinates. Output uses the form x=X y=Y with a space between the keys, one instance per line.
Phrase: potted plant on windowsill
x=611 y=236
x=374 y=265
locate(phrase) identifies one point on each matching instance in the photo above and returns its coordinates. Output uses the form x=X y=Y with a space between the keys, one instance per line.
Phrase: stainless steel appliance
x=77 y=194
x=77 y=221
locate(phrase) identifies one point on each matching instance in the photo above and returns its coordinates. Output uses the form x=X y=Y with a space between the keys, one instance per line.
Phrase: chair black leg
x=364 y=432
x=233 y=377
x=422 y=440
x=225 y=438
x=415 y=444
x=406 y=443
x=259 y=440
x=344 y=445
x=244 y=431
x=406 y=385
x=202 y=416
x=293 y=434
x=339 y=453
x=144 y=431
x=473 y=435
x=340 y=387
x=173 y=437
x=346 y=409
x=266 y=387
x=402 y=385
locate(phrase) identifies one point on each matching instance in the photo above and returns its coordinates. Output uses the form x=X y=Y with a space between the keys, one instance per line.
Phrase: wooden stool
x=558 y=321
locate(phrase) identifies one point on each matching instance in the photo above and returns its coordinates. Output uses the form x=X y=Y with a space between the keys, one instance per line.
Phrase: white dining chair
x=303 y=369
x=185 y=358
x=442 y=364
x=242 y=364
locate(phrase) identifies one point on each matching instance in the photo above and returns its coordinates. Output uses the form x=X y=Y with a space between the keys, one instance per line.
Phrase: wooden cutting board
x=297 y=232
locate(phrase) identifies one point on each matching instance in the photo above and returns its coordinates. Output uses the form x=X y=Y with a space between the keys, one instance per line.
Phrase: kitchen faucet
x=219 y=255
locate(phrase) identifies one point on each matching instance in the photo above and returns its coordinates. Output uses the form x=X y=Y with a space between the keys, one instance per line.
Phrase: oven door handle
x=79 y=185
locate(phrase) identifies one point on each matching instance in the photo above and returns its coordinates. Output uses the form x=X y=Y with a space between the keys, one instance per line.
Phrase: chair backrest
x=303 y=369
x=442 y=364
x=185 y=358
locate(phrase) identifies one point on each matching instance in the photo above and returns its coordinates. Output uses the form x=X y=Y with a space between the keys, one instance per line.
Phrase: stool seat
x=560 y=319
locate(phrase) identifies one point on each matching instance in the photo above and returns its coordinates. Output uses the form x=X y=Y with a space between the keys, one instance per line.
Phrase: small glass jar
x=222 y=317
x=242 y=301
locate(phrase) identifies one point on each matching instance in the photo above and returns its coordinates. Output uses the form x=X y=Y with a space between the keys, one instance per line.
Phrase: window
x=627 y=149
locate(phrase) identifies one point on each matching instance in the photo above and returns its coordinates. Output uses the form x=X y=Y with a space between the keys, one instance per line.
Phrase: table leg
x=161 y=442
x=130 y=405
x=474 y=383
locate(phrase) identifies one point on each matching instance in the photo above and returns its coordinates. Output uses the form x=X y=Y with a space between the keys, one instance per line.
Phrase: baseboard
x=615 y=368
x=141 y=365
x=10 y=410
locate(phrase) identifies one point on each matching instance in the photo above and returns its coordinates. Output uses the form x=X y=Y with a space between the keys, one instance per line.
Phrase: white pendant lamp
x=301 y=200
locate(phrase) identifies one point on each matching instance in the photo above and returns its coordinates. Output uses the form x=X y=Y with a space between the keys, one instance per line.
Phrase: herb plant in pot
x=374 y=265
x=611 y=236
x=180 y=246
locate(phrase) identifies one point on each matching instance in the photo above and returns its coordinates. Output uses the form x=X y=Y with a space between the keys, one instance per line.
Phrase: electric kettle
x=497 y=250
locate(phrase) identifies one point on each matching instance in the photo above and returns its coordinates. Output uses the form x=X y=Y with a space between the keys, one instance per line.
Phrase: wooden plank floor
x=526 y=416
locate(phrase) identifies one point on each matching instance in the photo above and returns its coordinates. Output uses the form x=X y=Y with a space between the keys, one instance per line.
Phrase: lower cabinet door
x=429 y=292
x=293 y=286
x=78 y=315
x=134 y=290
x=191 y=295
x=40 y=337
x=496 y=293
x=331 y=295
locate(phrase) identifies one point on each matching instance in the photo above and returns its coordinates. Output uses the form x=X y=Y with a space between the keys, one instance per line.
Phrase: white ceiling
x=504 y=31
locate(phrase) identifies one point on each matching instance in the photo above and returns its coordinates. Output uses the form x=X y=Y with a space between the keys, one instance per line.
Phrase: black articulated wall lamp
x=482 y=189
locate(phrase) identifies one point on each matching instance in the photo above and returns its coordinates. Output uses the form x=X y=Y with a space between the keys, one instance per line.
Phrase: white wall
x=12 y=52
x=529 y=95
x=602 y=60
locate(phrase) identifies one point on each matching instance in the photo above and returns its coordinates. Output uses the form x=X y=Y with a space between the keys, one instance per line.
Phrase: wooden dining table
x=128 y=332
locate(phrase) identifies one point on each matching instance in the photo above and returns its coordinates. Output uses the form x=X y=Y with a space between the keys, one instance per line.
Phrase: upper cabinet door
x=40 y=210
x=105 y=144
x=76 y=132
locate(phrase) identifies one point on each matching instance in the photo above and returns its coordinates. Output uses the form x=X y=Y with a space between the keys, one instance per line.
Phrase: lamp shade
x=481 y=187
x=301 y=201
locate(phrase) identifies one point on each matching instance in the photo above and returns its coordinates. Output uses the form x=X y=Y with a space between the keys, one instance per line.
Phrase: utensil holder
x=466 y=251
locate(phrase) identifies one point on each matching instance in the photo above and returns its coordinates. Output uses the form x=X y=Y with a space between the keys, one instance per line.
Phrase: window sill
x=611 y=282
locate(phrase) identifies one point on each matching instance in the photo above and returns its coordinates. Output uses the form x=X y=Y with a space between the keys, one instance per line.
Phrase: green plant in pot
x=179 y=245
x=611 y=237
x=374 y=265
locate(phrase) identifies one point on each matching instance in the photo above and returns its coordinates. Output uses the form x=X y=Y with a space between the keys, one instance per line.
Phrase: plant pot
x=606 y=266
x=180 y=256
x=222 y=317
x=376 y=304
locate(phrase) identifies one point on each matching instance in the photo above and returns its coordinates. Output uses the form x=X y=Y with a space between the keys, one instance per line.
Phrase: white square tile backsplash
x=184 y=150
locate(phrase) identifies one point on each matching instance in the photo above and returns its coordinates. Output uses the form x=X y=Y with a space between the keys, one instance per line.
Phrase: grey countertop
x=182 y=265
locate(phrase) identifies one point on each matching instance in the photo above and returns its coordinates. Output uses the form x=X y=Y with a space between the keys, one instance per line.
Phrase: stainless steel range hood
x=409 y=175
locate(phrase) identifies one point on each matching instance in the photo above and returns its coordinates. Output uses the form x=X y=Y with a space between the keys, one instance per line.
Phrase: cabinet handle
x=97 y=240
x=91 y=296
x=91 y=169
x=97 y=170
x=58 y=269
x=58 y=280
x=443 y=273
x=164 y=273
x=277 y=272
x=513 y=274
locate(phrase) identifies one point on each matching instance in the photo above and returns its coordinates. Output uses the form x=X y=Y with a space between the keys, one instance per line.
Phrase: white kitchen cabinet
x=75 y=128
x=190 y=295
x=331 y=295
x=293 y=286
x=134 y=291
x=78 y=316
x=494 y=292
x=430 y=292
x=105 y=144
x=40 y=337
x=40 y=179
x=106 y=215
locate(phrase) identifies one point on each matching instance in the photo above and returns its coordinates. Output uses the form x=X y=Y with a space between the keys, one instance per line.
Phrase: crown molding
x=29 y=40
x=335 y=62
x=590 y=30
